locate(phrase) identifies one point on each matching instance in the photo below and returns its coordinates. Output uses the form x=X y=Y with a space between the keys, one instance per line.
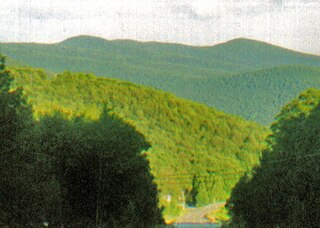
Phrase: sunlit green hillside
x=219 y=76
x=193 y=146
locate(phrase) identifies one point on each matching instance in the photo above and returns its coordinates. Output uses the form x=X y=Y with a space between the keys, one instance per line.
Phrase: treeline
x=190 y=143
x=71 y=171
x=284 y=190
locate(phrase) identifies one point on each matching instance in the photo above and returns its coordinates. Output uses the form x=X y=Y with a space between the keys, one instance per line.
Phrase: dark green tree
x=284 y=190
x=14 y=118
x=191 y=195
x=27 y=192
x=104 y=176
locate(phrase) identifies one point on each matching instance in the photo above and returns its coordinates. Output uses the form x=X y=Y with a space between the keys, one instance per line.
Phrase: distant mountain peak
x=83 y=39
x=241 y=39
x=262 y=45
x=237 y=43
x=247 y=41
x=87 y=38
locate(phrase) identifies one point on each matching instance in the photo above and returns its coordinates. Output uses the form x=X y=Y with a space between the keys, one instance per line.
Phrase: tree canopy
x=187 y=139
x=68 y=170
x=284 y=191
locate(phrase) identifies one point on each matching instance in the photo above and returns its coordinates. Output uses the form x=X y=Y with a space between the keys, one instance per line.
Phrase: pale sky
x=294 y=24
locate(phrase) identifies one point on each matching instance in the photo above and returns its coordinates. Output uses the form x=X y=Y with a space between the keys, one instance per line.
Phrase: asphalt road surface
x=198 y=215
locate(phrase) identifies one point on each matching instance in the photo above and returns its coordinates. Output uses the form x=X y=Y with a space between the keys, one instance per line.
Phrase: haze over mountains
x=242 y=77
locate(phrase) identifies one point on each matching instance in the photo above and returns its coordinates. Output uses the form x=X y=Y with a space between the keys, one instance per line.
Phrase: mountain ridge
x=189 y=72
x=227 y=42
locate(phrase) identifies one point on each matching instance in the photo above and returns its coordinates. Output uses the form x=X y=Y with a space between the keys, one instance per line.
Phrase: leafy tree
x=191 y=196
x=105 y=178
x=187 y=138
x=13 y=119
x=284 y=190
x=27 y=194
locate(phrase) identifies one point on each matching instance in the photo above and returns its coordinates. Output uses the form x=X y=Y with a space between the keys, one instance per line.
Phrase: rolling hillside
x=257 y=95
x=194 y=147
x=220 y=76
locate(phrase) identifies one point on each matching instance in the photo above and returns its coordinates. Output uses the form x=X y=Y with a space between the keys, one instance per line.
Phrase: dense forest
x=271 y=88
x=221 y=76
x=66 y=170
x=197 y=153
x=284 y=190
x=91 y=150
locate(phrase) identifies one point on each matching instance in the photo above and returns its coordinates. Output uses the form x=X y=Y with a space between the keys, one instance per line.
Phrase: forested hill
x=259 y=95
x=127 y=58
x=201 y=74
x=198 y=153
x=259 y=55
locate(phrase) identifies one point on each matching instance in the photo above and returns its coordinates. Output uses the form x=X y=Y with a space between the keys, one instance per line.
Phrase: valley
x=202 y=115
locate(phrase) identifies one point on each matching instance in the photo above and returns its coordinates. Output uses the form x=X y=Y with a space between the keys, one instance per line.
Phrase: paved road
x=198 y=215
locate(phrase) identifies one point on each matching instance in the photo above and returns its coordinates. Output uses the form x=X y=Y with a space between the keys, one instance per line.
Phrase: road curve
x=198 y=215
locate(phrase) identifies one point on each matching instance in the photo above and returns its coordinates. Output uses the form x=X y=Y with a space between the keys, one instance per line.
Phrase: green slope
x=256 y=95
x=190 y=142
x=201 y=74
x=257 y=54
x=126 y=58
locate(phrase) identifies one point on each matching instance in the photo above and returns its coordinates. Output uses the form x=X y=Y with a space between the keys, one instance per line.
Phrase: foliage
x=25 y=192
x=271 y=74
x=219 y=215
x=284 y=190
x=187 y=138
x=71 y=171
x=271 y=89
x=104 y=178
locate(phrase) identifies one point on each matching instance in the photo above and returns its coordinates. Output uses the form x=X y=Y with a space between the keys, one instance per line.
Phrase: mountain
x=203 y=74
x=194 y=148
x=260 y=55
x=257 y=95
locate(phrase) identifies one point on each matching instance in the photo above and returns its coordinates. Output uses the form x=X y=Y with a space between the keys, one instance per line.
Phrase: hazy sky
x=290 y=23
